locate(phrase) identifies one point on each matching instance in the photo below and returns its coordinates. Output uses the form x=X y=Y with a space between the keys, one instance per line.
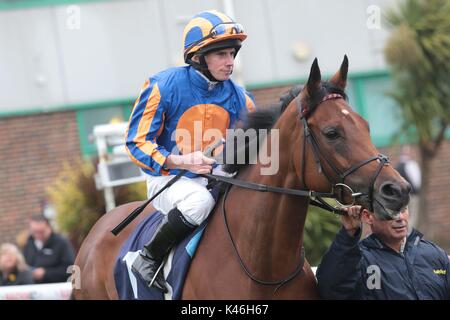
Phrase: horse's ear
x=313 y=85
x=340 y=78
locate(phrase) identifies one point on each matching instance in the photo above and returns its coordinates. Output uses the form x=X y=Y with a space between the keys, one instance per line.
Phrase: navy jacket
x=55 y=257
x=367 y=269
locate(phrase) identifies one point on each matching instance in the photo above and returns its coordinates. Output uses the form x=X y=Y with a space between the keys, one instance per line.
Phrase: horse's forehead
x=342 y=105
x=338 y=106
x=337 y=110
x=345 y=112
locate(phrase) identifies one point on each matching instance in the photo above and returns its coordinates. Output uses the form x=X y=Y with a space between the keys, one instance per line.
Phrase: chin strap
x=202 y=67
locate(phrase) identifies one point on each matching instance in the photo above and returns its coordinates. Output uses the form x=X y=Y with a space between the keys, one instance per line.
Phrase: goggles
x=219 y=30
x=225 y=28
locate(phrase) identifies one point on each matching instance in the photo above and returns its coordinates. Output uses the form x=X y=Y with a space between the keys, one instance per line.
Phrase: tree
x=320 y=229
x=79 y=204
x=418 y=51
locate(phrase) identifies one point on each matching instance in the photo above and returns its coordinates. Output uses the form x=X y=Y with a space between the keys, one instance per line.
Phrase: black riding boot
x=170 y=232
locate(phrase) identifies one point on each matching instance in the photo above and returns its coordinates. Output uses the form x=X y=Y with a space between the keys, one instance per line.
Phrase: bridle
x=308 y=137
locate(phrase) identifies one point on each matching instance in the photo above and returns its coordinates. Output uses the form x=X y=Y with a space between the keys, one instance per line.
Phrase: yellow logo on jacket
x=440 y=271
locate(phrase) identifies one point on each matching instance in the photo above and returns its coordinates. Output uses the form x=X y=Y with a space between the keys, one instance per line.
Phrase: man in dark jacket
x=48 y=253
x=392 y=263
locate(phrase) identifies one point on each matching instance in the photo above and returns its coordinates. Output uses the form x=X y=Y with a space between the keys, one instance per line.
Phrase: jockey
x=173 y=121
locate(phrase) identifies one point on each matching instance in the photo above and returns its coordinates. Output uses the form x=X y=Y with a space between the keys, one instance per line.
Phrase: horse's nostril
x=394 y=196
x=390 y=190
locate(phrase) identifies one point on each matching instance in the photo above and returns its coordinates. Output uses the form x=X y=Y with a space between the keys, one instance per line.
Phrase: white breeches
x=190 y=196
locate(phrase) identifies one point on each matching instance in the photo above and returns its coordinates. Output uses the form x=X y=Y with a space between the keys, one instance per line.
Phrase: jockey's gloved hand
x=195 y=162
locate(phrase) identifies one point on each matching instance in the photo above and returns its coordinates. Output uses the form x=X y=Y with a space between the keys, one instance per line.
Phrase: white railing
x=50 y=291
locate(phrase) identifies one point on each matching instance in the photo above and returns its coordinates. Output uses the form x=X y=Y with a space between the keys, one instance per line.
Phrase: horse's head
x=335 y=149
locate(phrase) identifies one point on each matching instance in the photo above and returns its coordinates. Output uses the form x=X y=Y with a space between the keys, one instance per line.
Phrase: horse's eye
x=331 y=134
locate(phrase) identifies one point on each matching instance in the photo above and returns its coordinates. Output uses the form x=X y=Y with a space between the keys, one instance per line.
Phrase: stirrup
x=151 y=284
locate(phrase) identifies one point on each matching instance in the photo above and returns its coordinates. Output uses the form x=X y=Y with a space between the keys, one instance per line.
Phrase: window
x=89 y=118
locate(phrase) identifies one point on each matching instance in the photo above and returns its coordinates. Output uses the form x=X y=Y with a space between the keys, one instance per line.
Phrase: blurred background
x=67 y=67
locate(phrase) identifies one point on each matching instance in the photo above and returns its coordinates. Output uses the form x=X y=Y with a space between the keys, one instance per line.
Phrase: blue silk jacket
x=179 y=111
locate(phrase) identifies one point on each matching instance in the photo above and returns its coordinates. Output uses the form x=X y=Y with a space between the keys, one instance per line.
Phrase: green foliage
x=79 y=204
x=320 y=229
x=418 y=51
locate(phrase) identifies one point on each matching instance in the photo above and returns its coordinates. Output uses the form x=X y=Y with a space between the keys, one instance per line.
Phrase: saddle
x=130 y=286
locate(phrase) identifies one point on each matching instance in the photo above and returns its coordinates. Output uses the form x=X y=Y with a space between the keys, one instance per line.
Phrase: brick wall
x=264 y=97
x=438 y=197
x=32 y=151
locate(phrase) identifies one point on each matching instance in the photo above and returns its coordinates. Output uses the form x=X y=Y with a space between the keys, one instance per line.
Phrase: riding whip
x=141 y=208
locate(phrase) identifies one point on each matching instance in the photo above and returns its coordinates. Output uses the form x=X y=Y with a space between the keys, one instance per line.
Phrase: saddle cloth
x=130 y=286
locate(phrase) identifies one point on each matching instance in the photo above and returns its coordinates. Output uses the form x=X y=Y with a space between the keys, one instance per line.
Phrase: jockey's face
x=220 y=63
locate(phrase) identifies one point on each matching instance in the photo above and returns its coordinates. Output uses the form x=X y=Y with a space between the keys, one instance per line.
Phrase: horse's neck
x=268 y=226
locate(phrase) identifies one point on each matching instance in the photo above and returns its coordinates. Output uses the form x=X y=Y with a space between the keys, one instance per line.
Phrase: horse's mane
x=266 y=117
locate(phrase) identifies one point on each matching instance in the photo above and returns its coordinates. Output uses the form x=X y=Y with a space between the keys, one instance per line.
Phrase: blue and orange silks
x=178 y=111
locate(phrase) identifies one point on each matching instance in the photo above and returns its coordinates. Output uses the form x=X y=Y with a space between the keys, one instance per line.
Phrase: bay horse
x=257 y=251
